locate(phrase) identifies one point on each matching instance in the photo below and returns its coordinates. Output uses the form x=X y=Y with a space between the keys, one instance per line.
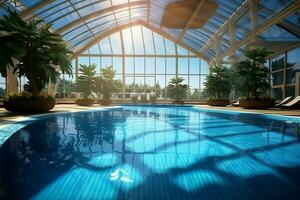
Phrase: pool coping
x=6 y=131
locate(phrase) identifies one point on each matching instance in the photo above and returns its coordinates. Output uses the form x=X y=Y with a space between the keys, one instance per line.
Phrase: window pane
x=277 y=63
x=129 y=65
x=290 y=91
x=84 y=60
x=194 y=82
x=148 y=39
x=139 y=66
x=116 y=43
x=204 y=67
x=278 y=78
x=96 y=60
x=2 y=87
x=194 y=66
x=128 y=48
x=150 y=65
x=160 y=66
x=105 y=46
x=277 y=93
x=183 y=66
x=171 y=65
x=118 y=65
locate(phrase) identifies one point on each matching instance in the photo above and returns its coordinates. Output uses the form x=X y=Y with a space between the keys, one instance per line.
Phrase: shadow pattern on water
x=152 y=153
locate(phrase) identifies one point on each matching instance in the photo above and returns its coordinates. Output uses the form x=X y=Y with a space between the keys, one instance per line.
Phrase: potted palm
x=107 y=85
x=251 y=79
x=86 y=84
x=177 y=90
x=217 y=86
x=40 y=55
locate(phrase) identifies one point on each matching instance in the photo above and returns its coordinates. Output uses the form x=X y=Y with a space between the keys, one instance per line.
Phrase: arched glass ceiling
x=83 y=21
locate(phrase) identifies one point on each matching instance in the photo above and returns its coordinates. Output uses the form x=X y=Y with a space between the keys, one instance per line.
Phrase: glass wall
x=2 y=87
x=149 y=60
x=285 y=69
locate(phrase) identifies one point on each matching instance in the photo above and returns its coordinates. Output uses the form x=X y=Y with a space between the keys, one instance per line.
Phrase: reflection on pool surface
x=153 y=153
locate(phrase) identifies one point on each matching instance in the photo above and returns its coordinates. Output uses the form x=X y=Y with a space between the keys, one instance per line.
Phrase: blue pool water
x=153 y=152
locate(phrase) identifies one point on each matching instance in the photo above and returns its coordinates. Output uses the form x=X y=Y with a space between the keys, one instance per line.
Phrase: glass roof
x=81 y=22
x=138 y=40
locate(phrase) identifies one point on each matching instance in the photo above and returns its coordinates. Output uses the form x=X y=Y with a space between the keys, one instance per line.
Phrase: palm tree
x=36 y=49
x=107 y=84
x=251 y=76
x=217 y=84
x=176 y=90
x=86 y=82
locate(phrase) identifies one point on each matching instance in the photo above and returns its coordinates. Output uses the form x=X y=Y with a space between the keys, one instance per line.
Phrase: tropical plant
x=39 y=52
x=251 y=76
x=86 y=82
x=176 y=89
x=195 y=94
x=118 y=85
x=217 y=84
x=107 y=83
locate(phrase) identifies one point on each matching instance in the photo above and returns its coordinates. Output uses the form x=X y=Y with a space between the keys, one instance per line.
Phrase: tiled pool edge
x=268 y=115
x=6 y=131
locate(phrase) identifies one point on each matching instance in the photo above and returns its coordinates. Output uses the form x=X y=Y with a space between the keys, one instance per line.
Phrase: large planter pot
x=84 y=102
x=105 y=102
x=257 y=103
x=218 y=102
x=29 y=105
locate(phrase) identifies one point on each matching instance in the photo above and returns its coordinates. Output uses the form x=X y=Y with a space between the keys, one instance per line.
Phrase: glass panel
x=84 y=60
x=293 y=58
x=150 y=65
x=128 y=47
x=290 y=76
x=277 y=93
x=160 y=85
x=139 y=66
x=138 y=40
x=277 y=63
x=95 y=49
x=277 y=78
x=117 y=65
x=204 y=67
x=2 y=87
x=160 y=66
x=171 y=65
x=181 y=50
x=290 y=91
x=159 y=44
x=194 y=94
x=194 y=82
x=202 y=80
x=150 y=84
x=116 y=43
x=105 y=46
x=106 y=61
x=194 y=66
x=170 y=47
x=129 y=65
x=96 y=60
x=69 y=86
x=149 y=43
x=183 y=66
